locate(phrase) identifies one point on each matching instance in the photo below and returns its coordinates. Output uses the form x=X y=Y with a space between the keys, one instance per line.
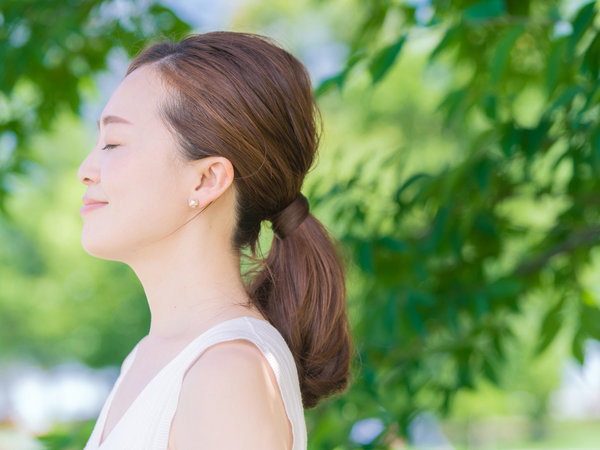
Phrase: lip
x=89 y=200
x=91 y=206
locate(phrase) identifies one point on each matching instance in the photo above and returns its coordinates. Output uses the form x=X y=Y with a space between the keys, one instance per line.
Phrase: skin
x=189 y=273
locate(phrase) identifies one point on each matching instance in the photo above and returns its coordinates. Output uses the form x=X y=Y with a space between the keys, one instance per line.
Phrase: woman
x=201 y=142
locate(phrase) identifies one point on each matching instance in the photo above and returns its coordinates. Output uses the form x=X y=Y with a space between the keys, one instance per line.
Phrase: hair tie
x=290 y=217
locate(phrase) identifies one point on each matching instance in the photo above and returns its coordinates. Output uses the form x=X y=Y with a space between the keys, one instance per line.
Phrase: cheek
x=144 y=196
x=122 y=180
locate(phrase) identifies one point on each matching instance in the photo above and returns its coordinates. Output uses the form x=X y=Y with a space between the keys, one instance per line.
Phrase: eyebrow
x=112 y=119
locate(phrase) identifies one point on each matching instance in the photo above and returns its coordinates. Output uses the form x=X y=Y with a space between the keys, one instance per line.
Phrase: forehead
x=137 y=97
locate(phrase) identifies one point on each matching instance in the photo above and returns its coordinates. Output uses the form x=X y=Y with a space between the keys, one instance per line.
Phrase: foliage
x=50 y=50
x=68 y=436
x=515 y=212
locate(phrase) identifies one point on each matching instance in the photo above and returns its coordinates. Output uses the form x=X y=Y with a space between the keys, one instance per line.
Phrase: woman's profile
x=201 y=142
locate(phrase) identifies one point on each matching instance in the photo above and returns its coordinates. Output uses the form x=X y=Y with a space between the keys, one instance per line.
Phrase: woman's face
x=134 y=172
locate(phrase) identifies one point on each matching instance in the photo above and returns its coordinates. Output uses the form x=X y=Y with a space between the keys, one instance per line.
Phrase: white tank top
x=146 y=423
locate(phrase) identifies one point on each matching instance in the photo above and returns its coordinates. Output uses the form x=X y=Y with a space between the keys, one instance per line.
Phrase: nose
x=89 y=170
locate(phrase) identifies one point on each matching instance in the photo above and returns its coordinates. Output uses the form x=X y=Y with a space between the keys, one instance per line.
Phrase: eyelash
x=109 y=146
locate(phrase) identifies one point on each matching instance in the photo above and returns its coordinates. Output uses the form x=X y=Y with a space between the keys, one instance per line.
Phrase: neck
x=190 y=285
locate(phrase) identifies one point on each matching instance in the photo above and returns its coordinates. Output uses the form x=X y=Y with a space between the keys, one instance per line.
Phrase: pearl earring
x=193 y=203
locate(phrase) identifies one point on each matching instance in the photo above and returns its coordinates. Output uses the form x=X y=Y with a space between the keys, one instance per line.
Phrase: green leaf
x=532 y=138
x=465 y=375
x=455 y=104
x=483 y=171
x=566 y=97
x=582 y=22
x=502 y=52
x=555 y=65
x=510 y=140
x=329 y=83
x=447 y=401
x=551 y=325
x=590 y=321
x=439 y=226
x=384 y=59
x=499 y=351
x=577 y=346
x=593 y=96
x=339 y=79
x=451 y=37
x=591 y=59
x=490 y=372
x=375 y=16
x=413 y=179
x=489 y=103
x=484 y=10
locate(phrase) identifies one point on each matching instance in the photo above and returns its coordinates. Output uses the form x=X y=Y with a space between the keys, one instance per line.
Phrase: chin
x=100 y=246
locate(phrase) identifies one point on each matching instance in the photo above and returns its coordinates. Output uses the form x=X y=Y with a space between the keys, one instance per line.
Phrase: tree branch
x=577 y=239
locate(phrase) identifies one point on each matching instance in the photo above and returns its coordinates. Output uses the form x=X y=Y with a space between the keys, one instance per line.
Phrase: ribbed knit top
x=146 y=423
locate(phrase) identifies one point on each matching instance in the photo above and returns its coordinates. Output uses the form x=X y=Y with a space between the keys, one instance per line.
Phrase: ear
x=213 y=176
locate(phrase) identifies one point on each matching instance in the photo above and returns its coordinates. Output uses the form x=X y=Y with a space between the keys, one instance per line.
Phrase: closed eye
x=109 y=146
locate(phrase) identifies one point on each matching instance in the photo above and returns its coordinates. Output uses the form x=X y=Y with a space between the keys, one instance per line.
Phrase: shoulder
x=230 y=399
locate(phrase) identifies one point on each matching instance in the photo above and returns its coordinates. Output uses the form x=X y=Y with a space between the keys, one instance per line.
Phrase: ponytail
x=301 y=291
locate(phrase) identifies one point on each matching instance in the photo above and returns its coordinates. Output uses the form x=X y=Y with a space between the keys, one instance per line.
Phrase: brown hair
x=239 y=96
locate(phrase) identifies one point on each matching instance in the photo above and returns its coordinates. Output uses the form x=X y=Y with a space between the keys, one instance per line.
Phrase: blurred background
x=459 y=167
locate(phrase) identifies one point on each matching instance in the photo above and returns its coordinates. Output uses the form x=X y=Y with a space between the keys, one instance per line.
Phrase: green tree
x=511 y=212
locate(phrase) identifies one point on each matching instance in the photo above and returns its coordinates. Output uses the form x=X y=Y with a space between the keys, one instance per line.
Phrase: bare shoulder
x=230 y=399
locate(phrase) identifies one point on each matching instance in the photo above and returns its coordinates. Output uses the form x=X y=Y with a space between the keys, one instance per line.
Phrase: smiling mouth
x=91 y=206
